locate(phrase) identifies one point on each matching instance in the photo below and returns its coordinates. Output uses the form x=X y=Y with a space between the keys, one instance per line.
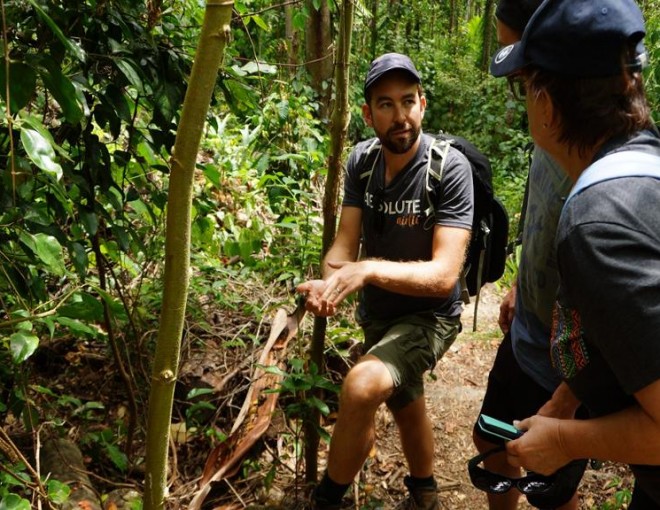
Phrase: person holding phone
x=579 y=64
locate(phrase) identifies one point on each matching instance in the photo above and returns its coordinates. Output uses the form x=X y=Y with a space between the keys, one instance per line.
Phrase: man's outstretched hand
x=314 y=302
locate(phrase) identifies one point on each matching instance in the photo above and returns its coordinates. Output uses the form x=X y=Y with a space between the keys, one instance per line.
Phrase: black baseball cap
x=516 y=13
x=580 y=38
x=390 y=62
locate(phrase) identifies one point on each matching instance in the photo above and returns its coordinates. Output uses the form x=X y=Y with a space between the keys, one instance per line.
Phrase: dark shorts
x=409 y=346
x=513 y=395
x=646 y=494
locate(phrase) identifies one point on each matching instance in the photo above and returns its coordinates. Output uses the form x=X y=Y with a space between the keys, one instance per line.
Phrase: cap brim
x=508 y=60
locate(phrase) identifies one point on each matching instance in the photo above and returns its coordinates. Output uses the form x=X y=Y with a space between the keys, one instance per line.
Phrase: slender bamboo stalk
x=214 y=35
x=338 y=130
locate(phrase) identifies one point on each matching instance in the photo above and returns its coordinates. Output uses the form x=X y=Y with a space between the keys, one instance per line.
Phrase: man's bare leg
x=366 y=386
x=416 y=431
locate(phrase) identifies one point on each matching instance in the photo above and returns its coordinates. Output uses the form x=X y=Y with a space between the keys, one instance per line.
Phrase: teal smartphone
x=498 y=430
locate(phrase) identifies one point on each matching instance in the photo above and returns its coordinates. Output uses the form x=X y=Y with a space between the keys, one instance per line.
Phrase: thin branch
x=282 y=64
x=12 y=451
x=272 y=7
x=8 y=103
x=41 y=315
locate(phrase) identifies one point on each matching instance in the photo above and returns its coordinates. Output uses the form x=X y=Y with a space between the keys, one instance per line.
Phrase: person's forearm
x=337 y=253
x=563 y=403
x=427 y=278
x=630 y=436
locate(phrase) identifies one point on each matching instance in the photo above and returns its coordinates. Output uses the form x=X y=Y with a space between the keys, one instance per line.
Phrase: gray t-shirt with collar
x=396 y=225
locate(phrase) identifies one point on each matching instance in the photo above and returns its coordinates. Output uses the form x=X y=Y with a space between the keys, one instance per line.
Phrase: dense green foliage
x=95 y=90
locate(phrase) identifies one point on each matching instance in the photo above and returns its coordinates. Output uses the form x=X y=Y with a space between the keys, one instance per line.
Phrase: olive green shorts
x=409 y=346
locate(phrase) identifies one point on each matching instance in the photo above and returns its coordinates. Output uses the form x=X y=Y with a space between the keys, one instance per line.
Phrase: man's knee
x=368 y=383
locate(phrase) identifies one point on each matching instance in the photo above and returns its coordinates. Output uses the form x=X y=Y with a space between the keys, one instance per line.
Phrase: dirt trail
x=453 y=400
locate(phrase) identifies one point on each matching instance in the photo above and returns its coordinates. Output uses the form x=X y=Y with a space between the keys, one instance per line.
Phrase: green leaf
x=48 y=249
x=271 y=369
x=319 y=404
x=117 y=457
x=76 y=326
x=50 y=324
x=114 y=303
x=212 y=173
x=260 y=22
x=90 y=221
x=73 y=48
x=316 y=4
x=62 y=89
x=197 y=392
x=40 y=152
x=253 y=67
x=116 y=98
x=58 y=492
x=299 y=20
x=22 y=346
x=122 y=237
x=79 y=258
x=35 y=123
x=22 y=84
x=130 y=72
x=82 y=306
x=14 y=502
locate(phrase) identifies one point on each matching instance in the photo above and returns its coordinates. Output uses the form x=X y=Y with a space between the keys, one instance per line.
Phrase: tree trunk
x=374 y=29
x=338 y=131
x=62 y=460
x=488 y=31
x=318 y=53
x=453 y=16
x=214 y=35
x=291 y=39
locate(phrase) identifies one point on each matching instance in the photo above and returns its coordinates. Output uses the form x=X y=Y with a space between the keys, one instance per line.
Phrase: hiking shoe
x=315 y=503
x=420 y=498
x=320 y=505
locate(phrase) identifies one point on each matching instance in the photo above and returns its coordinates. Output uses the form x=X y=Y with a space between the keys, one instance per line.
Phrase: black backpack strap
x=511 y=247
x=368 y=161
x=435 y=166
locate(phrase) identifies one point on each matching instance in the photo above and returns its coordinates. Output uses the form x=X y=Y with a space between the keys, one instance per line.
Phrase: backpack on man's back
x=486 y=257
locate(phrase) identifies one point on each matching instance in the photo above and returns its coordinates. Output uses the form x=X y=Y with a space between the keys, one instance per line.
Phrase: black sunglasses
x=495 y=483
x=518 y=86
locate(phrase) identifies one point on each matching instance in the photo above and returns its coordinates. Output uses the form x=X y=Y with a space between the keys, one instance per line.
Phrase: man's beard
x=396 y=143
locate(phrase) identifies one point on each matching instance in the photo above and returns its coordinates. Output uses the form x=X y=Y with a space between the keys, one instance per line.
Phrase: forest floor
x=453 y=400
x=271 y=475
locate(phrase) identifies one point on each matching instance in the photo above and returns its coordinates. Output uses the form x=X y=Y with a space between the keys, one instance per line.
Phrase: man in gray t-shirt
x=413 y=244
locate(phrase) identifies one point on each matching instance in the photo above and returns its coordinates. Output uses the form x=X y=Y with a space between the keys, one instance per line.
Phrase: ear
x=422 y=104
x=548 y=110
x=366 y=115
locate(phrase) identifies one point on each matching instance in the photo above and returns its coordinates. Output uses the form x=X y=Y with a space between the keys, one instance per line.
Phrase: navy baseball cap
x=516 y=13
x=580 y=38
x=390 y=62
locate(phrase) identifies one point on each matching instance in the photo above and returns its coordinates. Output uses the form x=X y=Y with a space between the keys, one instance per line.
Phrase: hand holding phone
x=498 y=430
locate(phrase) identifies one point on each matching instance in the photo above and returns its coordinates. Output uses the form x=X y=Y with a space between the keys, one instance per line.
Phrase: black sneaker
x=420 y=498
x=316 y=503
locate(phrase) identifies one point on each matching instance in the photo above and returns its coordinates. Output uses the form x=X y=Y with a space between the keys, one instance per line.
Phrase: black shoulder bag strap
x=511 y=247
